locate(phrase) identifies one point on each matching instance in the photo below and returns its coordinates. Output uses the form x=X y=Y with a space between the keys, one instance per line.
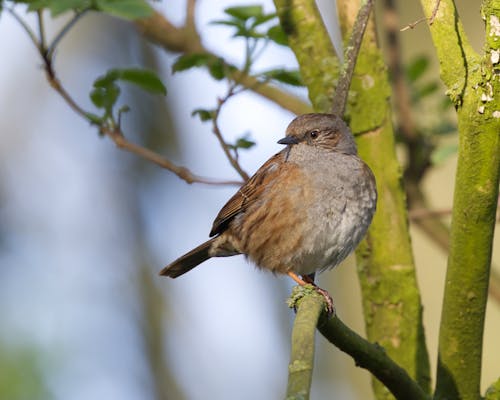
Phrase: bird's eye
x=314 y=133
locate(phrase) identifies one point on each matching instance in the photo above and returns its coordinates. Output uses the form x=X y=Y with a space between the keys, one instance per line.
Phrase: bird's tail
x=188 y=261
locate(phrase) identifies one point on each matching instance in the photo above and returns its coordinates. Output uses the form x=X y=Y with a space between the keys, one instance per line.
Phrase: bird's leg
x=308 y=279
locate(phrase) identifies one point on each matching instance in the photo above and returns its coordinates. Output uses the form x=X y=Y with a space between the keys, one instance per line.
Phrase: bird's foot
x=307 y=280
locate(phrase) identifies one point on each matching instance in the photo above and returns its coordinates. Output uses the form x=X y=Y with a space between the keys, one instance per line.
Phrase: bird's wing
x=248 y=193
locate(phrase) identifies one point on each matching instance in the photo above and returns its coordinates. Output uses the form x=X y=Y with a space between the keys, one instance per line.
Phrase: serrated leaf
x=244 y=12
x=126 y=9
x=203 y=114
x=290 y=77
x=442 y=153
x=188 y=61
x=277 y=35
x=417 y=68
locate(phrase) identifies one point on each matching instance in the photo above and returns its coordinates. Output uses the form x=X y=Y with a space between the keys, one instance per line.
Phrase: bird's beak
x=288 y=140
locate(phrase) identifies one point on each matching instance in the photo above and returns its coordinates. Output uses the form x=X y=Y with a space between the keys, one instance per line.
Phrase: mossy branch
x=387 y=273
x=309 y=40
x=309 y=304
x=373 y=358
x=471 y=82
x=351 y=55
x=493 y=392
x=386 y=268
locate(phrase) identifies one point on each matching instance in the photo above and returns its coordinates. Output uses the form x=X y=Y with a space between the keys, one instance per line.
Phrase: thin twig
x=51 y=48
x=112 y=131
x=434 y=12
x=413 y=24
x=26 y=28
x=159 y=30
x=182 y=172
x=218 y=134
x=422 y=213
x=41 y=31
x=430 y=19
x=189 y=23
x=351 y=55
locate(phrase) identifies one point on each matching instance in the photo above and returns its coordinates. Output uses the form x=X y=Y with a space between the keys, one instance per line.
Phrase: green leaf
x=126 y=9
x=94 y=119
x=231 y=22
x=290 y=77
x=144 y=78
x=61 y=6
x=263 y=18
x=106 y=80
x=105 y=97
x=417 y=68
x=217 y=69
x=216 y=65
x=248 y=33
x=441 y=154
x=205 y=115
x=188 y=61
x=35 y=5
x=244 y=12
x=277 y=35
x=244 y=142
x=57 y=7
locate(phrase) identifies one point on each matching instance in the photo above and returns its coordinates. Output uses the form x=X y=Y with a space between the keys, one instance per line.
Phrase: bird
x=304 y=210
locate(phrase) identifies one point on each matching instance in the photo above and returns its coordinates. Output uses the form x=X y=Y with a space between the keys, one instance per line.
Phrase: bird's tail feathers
x=188 y=261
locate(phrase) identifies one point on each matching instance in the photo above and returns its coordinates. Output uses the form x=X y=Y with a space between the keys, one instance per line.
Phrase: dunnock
x=304 y=210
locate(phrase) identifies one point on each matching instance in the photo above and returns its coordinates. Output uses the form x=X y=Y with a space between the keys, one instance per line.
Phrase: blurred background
x=85 y=228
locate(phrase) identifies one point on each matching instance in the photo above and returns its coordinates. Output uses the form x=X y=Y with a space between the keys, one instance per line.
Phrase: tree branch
x=386 y=268
x=218 y=134
x=350 y=57
x=112 y=131
x=162 y=32
x=309 y=305
x=373 y=358
x=470 y=81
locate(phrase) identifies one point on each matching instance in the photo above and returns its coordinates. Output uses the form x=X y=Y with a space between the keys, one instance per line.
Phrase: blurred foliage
x=257 y=28
x=426 y=100
x=127 y=9
x=106 y=90
x=21 y=377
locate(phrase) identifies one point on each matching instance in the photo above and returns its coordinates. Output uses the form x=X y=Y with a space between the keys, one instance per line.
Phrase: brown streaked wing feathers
x=247 y=194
